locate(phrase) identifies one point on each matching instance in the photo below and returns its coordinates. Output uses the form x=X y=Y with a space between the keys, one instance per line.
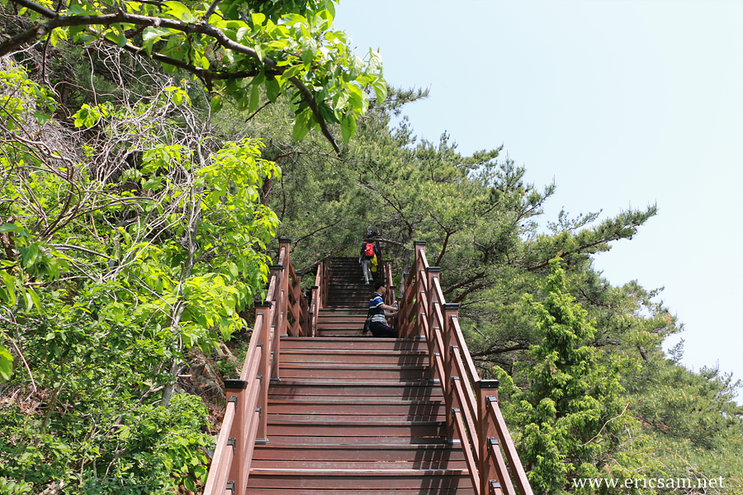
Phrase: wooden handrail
x=472 y=412
x=245 y=422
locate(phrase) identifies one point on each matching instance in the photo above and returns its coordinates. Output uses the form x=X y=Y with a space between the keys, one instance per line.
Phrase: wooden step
x=306 y=481
x=276 y=439
x=386 y=408
x=424 y=455
x=338 y=333
x=354 y=374
x=301 y=343
x=357 y=491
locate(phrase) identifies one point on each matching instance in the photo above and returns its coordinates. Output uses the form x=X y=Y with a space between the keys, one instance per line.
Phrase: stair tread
x=356 y=472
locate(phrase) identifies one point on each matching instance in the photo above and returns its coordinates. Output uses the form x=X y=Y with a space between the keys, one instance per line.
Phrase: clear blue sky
x=623 y=103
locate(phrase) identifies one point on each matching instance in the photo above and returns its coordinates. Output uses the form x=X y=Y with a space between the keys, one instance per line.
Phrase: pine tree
x=568 y=405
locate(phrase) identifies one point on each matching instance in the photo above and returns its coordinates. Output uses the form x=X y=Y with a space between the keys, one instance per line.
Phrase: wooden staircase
x=319 y=407
x=353 y=414
x=345 y=310
x=356 y=415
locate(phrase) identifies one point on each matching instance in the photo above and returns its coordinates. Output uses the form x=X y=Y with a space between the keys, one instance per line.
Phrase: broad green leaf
x=309 y=50
x=242 y=34
x=216 y=103
x=77 y=9
x=255 y=96
x=301 y=125
x=272 y=89
x=380 y=89
x=6 y=364
x=348 y=127
x=41 y=117
x=258 y=19
x=9 y=282
x=178 y=10
x=292 y=71
x=36 y=300
x=153 y=34
x=10 y=227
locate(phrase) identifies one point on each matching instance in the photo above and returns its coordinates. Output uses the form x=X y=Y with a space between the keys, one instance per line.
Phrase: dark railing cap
x=433 y=269
x=451 y=306
x=282 y=240
x=235 y=384
x=315 y=287
x=276 y=267
x=262 y=304
x=419 y=243
x=488 y=383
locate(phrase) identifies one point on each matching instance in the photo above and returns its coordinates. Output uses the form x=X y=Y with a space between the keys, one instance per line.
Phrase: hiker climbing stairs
x=356 y=415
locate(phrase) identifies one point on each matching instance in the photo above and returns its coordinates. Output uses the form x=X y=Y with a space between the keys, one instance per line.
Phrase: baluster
x=278 y=327
x=264 y=368
x=486 y=389
x=236 y=389
x=434 y=326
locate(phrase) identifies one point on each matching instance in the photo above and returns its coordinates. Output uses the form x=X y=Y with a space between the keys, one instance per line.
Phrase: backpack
x=369 y=250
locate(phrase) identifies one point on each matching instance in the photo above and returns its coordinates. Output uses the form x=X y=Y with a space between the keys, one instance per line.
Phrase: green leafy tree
x=234 y=48
x=113 y=267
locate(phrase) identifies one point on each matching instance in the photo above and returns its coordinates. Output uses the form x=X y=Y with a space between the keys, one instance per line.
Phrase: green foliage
x=112 y=268
x=568 y=401
x=235 y=48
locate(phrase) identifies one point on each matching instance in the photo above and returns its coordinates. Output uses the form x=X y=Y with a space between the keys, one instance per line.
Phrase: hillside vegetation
x=140 y=200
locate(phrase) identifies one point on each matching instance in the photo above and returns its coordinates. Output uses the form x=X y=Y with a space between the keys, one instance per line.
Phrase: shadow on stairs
x=356 y=415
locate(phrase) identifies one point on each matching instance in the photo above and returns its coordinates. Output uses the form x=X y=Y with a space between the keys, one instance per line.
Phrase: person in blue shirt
x=378 y=312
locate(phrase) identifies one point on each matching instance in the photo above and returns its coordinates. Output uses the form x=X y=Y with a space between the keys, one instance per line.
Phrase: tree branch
x=493 y=350
x=57 y=21
x=295 y=243
x=467 y=292
x=454 y=287
x=81 y=249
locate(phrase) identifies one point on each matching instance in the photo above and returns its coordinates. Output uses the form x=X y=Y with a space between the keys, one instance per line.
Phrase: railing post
x=402 y=319
x=264 y=369
x=449 y=396
x=450 y=310
x=284 y=302
x=433 y=272
x=486 y=390
x=273 y=346
x=304 y=307
x=235 y=390
x=420 y=252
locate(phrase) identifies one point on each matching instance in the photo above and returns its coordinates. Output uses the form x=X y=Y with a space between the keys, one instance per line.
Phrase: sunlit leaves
x=178 y=11
x=89 y=116
x=307 y=59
